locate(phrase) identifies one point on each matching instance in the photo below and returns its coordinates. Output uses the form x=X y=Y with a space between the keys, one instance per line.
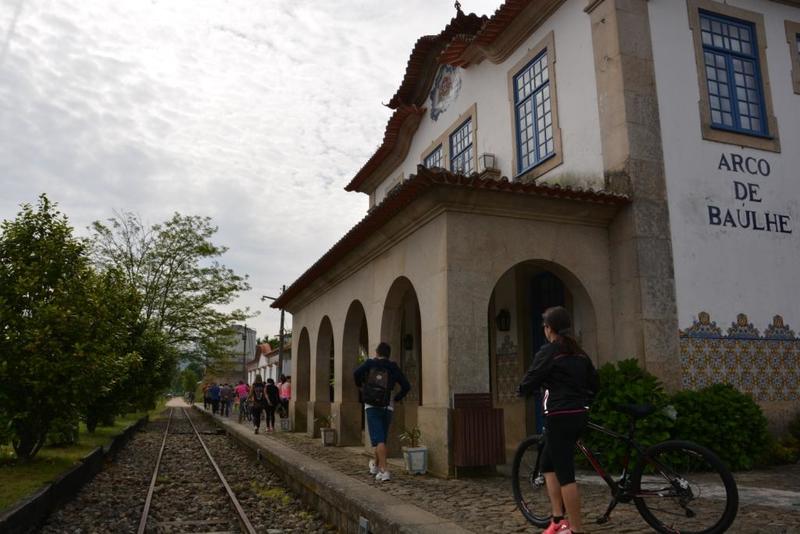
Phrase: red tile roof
x=416 y=186
x=428 y=52
x=486 y=36
x=423 y=58
x=390 y=139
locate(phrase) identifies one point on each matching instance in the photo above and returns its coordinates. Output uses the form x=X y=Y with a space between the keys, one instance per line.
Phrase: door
x=546 y=291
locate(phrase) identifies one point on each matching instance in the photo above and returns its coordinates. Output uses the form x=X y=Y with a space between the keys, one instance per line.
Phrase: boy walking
x=377 y=378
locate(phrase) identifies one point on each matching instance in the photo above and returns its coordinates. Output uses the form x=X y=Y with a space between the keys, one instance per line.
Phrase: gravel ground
x=187 y=489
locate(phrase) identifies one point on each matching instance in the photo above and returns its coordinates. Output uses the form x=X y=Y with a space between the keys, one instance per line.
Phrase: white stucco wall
x=724 y=270
x=486 y=85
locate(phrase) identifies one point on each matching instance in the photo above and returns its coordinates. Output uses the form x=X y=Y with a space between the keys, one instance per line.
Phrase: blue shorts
x=378 y=420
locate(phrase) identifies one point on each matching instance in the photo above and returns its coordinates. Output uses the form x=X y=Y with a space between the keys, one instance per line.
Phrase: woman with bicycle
x=569 y=380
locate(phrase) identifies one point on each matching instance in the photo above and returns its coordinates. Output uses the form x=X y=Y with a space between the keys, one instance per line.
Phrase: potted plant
x=415 y=455
x=327 y=434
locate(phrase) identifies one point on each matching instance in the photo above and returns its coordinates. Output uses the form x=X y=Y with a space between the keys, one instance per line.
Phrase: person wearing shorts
x=379 y=418
x=570 y=382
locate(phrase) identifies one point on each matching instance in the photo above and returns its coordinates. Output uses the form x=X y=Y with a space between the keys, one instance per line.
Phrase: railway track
x=164 y=513
x=188 y=495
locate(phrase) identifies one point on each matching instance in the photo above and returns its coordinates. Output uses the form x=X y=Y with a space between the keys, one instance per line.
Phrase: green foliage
x=325 y=421
x=725 y=420
x=57 y=332
x=784 y=450
x=411 y=436
x=174 y=267
x=62 y=432
x=188 y=379
x=83 y=340
x=794 y=426
x=624 y=382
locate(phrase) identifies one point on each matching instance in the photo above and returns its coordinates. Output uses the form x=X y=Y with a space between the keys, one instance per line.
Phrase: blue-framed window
x=533 y=114
x=461 y=148
x=434 y=159
x=733 y=75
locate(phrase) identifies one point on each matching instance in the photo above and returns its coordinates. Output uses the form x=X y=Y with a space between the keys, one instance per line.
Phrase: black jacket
x=272 y=394
x=570 y=380
x=396 y=376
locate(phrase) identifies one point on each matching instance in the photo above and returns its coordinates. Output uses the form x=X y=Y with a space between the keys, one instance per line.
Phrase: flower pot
x=328 y=436
x=416 y=459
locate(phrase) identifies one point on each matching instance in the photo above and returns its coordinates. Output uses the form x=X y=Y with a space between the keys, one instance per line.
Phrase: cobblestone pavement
x=485 y=504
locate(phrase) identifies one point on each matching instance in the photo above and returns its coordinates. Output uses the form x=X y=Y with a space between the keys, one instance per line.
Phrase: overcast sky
x=253 y=112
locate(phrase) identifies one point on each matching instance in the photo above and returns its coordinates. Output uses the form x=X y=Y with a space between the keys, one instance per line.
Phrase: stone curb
x=27 y=514
x=340 y=499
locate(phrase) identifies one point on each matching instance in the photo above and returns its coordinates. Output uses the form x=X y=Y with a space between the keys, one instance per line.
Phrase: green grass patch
x=19 y=479
x=269 y=493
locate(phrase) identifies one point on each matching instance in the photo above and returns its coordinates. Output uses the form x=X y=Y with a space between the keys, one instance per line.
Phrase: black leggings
x=256 y=411
x=271 y=416
x=562 y=431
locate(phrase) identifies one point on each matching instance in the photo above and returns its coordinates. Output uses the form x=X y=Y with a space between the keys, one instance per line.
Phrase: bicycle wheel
x=684 y=487
x=527 y=482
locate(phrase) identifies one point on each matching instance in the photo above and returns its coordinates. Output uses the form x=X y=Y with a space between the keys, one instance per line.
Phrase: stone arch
x=324 y=359
x=301 y=381
x=519 y=296
x=401 y=328
x=355 y=349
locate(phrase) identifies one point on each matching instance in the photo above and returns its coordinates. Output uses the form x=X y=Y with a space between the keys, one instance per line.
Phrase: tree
x=60 y=329
x=173 y=265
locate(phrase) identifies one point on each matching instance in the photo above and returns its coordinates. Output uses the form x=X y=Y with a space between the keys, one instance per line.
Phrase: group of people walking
x=249 y=402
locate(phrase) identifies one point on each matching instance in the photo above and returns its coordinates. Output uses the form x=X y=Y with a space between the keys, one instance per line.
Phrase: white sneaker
x=382 y=476
x=373 y=468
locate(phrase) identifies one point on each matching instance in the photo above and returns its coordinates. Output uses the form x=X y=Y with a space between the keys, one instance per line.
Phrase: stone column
x=642 y=272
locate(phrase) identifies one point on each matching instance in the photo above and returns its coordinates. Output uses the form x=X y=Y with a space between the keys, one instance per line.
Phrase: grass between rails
x=18 y=480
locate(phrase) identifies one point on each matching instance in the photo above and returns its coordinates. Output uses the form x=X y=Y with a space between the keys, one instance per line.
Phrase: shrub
x=625 y=382
x=794 y=426
x=63 y=432
x=726 y=421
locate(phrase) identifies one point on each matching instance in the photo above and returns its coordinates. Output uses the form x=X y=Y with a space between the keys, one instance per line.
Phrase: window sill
x=749 y=140
x=546 y=165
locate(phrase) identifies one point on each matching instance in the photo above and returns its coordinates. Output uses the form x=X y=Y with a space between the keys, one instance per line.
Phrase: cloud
x=254 y=112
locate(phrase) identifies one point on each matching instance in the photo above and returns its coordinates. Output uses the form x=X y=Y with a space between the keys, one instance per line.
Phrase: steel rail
x=146 y=510
x=245 y=522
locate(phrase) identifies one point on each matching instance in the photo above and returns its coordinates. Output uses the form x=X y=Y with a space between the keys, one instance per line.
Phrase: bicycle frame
x=620 y=490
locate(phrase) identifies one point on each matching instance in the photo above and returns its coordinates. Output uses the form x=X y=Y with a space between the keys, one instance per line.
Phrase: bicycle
x=672 y=481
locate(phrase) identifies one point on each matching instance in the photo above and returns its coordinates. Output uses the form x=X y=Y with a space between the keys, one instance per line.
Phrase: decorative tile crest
x=777 y=330
x=767 y=367
x=742 y=329
x=702 y=327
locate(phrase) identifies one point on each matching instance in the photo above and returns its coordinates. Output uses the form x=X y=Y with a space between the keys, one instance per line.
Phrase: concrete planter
x=328 y=436
x=416 y=459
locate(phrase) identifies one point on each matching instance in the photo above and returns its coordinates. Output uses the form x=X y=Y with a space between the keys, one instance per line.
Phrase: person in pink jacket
x=285 y=391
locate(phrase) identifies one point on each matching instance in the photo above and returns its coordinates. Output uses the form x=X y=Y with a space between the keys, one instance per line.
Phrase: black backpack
x=375 y=390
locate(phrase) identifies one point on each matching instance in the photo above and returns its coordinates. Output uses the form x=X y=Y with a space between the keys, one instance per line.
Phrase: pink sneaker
x=562 y=527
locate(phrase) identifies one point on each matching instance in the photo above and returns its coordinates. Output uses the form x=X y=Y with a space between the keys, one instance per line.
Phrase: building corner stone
x=643 y=283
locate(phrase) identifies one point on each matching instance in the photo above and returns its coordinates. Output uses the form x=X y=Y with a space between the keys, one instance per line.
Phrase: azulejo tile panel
x=765 y=366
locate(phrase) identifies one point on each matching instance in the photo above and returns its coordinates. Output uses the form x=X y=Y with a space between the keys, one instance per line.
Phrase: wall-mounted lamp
x=503 y=321
x=487 y=162
x=408 y=342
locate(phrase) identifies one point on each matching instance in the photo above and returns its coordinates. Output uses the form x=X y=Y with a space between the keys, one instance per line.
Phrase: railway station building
x=635 y=161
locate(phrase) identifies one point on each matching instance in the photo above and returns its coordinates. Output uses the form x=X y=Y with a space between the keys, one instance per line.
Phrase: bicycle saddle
x=637 y=411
